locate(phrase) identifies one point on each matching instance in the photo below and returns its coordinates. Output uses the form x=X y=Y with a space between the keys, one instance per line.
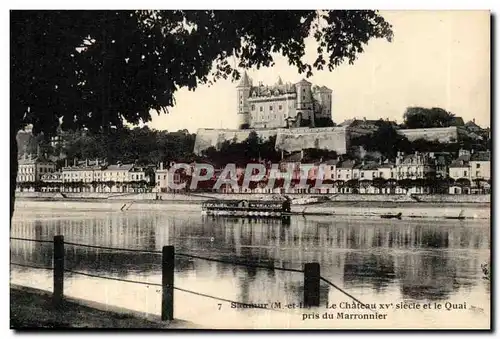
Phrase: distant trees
x=420 y=117
x=323 y=122
x=138 y=145
x=241 y=152
x=385 y=140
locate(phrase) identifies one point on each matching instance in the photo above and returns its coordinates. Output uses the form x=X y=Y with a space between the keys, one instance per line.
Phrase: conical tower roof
x=245 y=81
x=303 y=82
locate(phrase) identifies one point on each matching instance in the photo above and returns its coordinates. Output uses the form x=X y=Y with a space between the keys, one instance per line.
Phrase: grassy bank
x=31 y=308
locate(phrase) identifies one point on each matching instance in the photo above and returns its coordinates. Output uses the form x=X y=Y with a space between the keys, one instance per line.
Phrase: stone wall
x=444 y=135
x=330 y=138
x=290 y=140
x=207 y=137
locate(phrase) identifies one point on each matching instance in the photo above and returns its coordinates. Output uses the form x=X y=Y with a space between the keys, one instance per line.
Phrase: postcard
x=317 y=169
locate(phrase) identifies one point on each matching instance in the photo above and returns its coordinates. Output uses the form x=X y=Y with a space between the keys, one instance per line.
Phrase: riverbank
x=362 y=209
x=31 y=308
x=200 y=197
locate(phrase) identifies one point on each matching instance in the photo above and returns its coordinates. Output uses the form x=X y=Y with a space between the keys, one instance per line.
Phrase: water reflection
x=424 y=261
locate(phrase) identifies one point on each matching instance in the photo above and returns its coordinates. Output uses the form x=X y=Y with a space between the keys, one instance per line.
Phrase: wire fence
x=180 y=254
x=229 y=262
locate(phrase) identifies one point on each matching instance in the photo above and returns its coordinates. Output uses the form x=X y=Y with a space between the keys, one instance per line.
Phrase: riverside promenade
x=341 y=205
x=32 y=309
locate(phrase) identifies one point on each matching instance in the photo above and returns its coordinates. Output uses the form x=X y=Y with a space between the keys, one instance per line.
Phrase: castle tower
x=304 y=101
x=323 y=96
x=243 y=93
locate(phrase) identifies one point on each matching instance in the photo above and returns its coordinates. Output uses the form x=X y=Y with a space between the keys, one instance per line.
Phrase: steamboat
x=247 y=208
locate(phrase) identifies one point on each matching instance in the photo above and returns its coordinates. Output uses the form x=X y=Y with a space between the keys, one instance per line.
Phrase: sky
x=436 y=59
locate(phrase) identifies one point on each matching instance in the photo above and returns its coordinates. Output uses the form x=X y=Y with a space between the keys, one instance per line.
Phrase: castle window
x=260 y=108
x=280 y=107
x=253 y=107
x=270 y=108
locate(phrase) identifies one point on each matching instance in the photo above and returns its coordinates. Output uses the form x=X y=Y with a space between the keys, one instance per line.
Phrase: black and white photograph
x=325 y=169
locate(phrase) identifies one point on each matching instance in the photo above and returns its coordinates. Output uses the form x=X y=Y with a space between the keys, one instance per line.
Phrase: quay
x=32 y=308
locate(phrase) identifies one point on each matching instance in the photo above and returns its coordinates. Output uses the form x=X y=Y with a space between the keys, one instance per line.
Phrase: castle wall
x=329 y=138
x=444 y=134
x=290 y=140
x=207 y=137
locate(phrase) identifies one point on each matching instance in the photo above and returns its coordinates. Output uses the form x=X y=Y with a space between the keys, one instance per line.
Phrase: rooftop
x=347 y=164
x=120 y=167
x=480 y=156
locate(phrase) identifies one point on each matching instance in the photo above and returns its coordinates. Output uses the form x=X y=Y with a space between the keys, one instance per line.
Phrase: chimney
x=86 y=162
x=474 y=120
x=74 y=161
x=96 y=162
x=161 y=165
x=301 y=154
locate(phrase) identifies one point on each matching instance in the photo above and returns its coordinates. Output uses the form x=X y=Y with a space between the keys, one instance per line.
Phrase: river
x=429 y=263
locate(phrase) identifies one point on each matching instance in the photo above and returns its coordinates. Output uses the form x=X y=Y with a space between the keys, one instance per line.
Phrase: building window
x=270 y=108
x=362 y=174
x=280 y=107
x=465 y=173
x=253 y=107
x=303 y=90
x=260 y=108
x=478 y=165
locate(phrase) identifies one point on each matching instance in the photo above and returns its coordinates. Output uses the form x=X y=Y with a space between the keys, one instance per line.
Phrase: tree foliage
x=95 y=69
x=419 y=117
x=252 y=149
x=143 y=146
x=385 y=140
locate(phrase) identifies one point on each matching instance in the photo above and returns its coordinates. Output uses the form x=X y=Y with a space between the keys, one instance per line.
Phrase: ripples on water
x=375 y=260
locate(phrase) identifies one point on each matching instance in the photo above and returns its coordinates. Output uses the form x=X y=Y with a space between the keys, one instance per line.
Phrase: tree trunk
x=13 y=169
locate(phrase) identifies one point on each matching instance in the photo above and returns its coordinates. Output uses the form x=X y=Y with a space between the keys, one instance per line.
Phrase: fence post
x=167 y=282
x=311 y=284
x=58 y=293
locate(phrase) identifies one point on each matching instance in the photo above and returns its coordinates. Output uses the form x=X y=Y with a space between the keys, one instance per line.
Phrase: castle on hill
x=282 y=105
